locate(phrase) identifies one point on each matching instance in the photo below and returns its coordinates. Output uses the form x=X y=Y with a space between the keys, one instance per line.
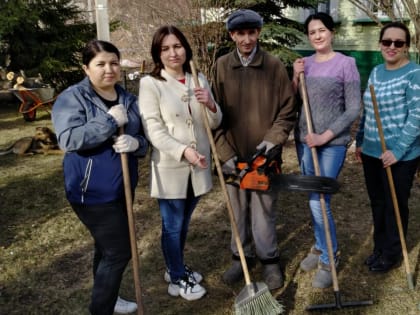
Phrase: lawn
x=46 y=253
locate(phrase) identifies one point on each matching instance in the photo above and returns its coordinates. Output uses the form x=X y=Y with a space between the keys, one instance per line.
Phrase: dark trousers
x=386 y=236
x=107 y=223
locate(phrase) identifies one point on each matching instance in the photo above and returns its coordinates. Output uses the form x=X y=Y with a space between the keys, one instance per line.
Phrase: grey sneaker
x=272 y=276
x=310 y=262
x=323 y=277
x=193 y=276
x=187 y=290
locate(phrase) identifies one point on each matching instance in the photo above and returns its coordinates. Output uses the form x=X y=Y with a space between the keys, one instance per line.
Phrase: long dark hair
x=94 y=47
x=399 y=25
x=157 y=48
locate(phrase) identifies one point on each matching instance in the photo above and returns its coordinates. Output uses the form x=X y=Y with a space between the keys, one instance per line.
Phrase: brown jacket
x=257 y=102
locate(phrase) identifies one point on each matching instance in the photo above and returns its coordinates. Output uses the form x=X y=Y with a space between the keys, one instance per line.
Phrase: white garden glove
x=229 y=167
x=265 y=144
x=125 y=143
x=119 y=113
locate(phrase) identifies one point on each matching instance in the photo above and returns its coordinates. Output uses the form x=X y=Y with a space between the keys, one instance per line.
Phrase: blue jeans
x=176 y=216
x=331 y=160
x=108 y=225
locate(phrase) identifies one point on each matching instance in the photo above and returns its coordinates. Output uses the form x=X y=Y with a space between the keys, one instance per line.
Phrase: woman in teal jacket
x=397 y=88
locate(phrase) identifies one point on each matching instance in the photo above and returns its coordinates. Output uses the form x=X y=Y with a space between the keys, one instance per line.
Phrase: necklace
x=109 y=95
x=324 y=57
x=397 y=65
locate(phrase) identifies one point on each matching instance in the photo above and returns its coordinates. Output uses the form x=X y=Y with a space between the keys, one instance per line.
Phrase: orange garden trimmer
x=263 y=172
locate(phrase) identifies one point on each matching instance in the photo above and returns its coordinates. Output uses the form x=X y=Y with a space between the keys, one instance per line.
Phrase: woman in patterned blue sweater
x=397 y=88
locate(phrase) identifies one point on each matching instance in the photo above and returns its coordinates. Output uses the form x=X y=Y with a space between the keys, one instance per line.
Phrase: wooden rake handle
x=392 y=189
x=131 y=227
x=327 y=229
x=222 y=182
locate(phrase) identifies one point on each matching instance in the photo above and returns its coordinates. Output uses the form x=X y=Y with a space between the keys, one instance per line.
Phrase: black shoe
x=372 y=258
x=235 y=272
x=384 y=265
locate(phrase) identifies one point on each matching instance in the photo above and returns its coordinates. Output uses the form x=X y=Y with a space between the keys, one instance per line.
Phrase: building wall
x=356 y=36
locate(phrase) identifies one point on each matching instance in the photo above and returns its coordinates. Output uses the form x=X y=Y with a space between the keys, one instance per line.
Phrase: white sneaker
x=193 y=276
x=188 y=290
x=124 y=307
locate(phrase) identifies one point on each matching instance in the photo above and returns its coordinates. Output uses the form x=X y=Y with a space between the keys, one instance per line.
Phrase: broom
x=392 y=189
x=131 y=227
x=255 y=298
x=338 y=303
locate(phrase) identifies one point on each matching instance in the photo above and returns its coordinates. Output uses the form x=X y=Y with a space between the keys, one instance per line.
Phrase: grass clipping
x=256 y=299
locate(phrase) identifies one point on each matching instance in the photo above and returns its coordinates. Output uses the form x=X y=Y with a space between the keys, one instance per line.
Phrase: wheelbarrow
x=33 y=99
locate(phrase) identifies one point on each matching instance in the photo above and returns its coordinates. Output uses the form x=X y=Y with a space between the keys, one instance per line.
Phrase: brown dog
x=44 y=141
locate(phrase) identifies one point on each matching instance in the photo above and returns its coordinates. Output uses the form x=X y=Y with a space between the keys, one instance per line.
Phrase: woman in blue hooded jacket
x=87 y=118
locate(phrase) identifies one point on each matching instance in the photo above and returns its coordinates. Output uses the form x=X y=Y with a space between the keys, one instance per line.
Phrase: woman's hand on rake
x=388 y=158
x=317 y=140
x=204 y=97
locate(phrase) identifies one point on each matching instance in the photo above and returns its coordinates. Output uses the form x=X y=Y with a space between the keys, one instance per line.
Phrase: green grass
x=46 y=253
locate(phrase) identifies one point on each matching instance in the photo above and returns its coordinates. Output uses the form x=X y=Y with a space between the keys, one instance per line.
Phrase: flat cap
x=244 y=19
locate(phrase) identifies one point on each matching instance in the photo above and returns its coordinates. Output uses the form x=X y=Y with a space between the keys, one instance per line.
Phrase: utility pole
x=102 y=21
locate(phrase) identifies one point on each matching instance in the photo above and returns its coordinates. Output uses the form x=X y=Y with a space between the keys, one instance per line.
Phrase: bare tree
x=200 y=20
x=206 y=31
x=394 y=9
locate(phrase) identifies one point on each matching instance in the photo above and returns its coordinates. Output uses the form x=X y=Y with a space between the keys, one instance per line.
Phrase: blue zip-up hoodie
x=92 y=169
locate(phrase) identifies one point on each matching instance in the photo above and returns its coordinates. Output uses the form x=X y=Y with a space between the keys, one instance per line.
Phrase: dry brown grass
x=45 y=253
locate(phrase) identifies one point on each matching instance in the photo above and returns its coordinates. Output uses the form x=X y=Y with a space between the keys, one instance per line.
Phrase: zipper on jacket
x=85 y=182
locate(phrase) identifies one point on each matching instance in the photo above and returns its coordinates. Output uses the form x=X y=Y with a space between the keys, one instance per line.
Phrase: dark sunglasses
x=388 y=43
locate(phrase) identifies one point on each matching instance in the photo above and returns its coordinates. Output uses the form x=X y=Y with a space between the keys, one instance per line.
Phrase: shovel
x=338 y=303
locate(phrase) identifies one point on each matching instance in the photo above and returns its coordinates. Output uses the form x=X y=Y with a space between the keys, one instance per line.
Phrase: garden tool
x=338 y=303
x=254 y=298
x=392 y=189
x=263 y=172
x=131 y=227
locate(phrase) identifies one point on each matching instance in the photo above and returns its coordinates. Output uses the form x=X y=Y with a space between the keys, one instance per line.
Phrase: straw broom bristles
x=256 y=299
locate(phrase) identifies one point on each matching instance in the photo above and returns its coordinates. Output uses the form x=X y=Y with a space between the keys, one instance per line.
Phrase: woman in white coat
x=180 y=160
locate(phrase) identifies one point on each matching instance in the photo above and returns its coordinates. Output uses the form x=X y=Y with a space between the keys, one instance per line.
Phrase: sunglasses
x=388 y=43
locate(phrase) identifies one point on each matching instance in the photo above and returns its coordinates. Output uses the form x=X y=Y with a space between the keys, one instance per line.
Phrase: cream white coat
x=171 y=128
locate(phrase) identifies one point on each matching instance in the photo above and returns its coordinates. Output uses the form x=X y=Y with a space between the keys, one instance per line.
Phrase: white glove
x=265 y=144
x=119 y=113
x=125 y=143
x=229 y=167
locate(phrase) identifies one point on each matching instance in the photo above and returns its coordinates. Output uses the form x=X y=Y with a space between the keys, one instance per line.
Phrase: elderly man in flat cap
x=255 y=95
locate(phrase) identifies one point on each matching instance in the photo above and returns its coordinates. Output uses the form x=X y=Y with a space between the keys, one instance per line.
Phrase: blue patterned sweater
x=398 y=97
